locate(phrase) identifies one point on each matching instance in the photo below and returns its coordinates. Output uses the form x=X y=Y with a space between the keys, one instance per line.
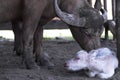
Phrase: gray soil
x=12 y=68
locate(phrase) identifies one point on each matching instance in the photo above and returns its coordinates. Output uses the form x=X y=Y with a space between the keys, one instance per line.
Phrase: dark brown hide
x=88 y=39
x=88 y=36
x=110 y=25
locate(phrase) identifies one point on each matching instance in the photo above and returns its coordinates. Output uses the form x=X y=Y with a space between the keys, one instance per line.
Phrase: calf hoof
x=44 y=60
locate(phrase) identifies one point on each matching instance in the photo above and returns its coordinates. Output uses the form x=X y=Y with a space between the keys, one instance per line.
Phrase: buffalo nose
x=65 y=65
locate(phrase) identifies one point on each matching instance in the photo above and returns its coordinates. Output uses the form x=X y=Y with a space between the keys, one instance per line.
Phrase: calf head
x=78 y=62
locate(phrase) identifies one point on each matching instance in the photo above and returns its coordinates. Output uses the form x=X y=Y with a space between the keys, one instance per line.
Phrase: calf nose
x=65 y=65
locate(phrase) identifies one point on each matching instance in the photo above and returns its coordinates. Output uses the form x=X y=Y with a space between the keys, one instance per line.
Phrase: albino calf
x=101 y=62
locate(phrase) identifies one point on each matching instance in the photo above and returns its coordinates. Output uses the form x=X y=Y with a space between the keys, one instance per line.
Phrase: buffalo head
x=85 y=25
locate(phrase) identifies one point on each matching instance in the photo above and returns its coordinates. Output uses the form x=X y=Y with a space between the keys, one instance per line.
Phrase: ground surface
x=11 y=67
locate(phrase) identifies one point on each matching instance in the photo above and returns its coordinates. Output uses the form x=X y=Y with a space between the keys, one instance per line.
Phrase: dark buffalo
x=83 y=21
x=108 y=24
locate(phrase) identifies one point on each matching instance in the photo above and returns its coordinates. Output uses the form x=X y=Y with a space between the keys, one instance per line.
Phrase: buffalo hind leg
x=22 y=44
x=41 y=59
x=18 y=47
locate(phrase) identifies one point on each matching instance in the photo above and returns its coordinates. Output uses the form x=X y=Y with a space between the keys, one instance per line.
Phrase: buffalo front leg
x=29 y=26
x=27 y=36
x=31 y=15
x=41 y=58
x=18 y=47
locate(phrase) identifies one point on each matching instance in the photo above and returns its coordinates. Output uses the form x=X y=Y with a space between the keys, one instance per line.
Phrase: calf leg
x=106 y=75
x=91 y=73
x=18 y=47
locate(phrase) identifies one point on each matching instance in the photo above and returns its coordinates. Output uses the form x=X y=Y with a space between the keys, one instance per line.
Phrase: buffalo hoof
x=29 y=60
x=44 y=60
x=18 y=50
x=31 y=64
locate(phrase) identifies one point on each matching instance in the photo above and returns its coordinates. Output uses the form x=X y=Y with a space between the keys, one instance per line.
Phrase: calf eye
x=76 y=58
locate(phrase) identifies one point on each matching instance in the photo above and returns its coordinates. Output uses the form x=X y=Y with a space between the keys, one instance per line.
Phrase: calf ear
x=92 y=51
x=81 y=52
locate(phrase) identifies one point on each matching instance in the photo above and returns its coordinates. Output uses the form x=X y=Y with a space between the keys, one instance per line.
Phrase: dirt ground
x=12 y=68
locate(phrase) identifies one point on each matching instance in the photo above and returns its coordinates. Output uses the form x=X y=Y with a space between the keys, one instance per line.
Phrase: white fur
x=101 y=62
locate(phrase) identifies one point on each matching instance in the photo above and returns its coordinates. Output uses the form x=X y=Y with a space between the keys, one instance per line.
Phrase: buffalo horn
x=68 y=18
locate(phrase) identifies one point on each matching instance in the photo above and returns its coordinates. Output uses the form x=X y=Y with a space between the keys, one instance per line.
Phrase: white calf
x=101 y=62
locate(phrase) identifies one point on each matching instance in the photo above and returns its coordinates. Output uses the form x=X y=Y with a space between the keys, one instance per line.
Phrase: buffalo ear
x=104 y=14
